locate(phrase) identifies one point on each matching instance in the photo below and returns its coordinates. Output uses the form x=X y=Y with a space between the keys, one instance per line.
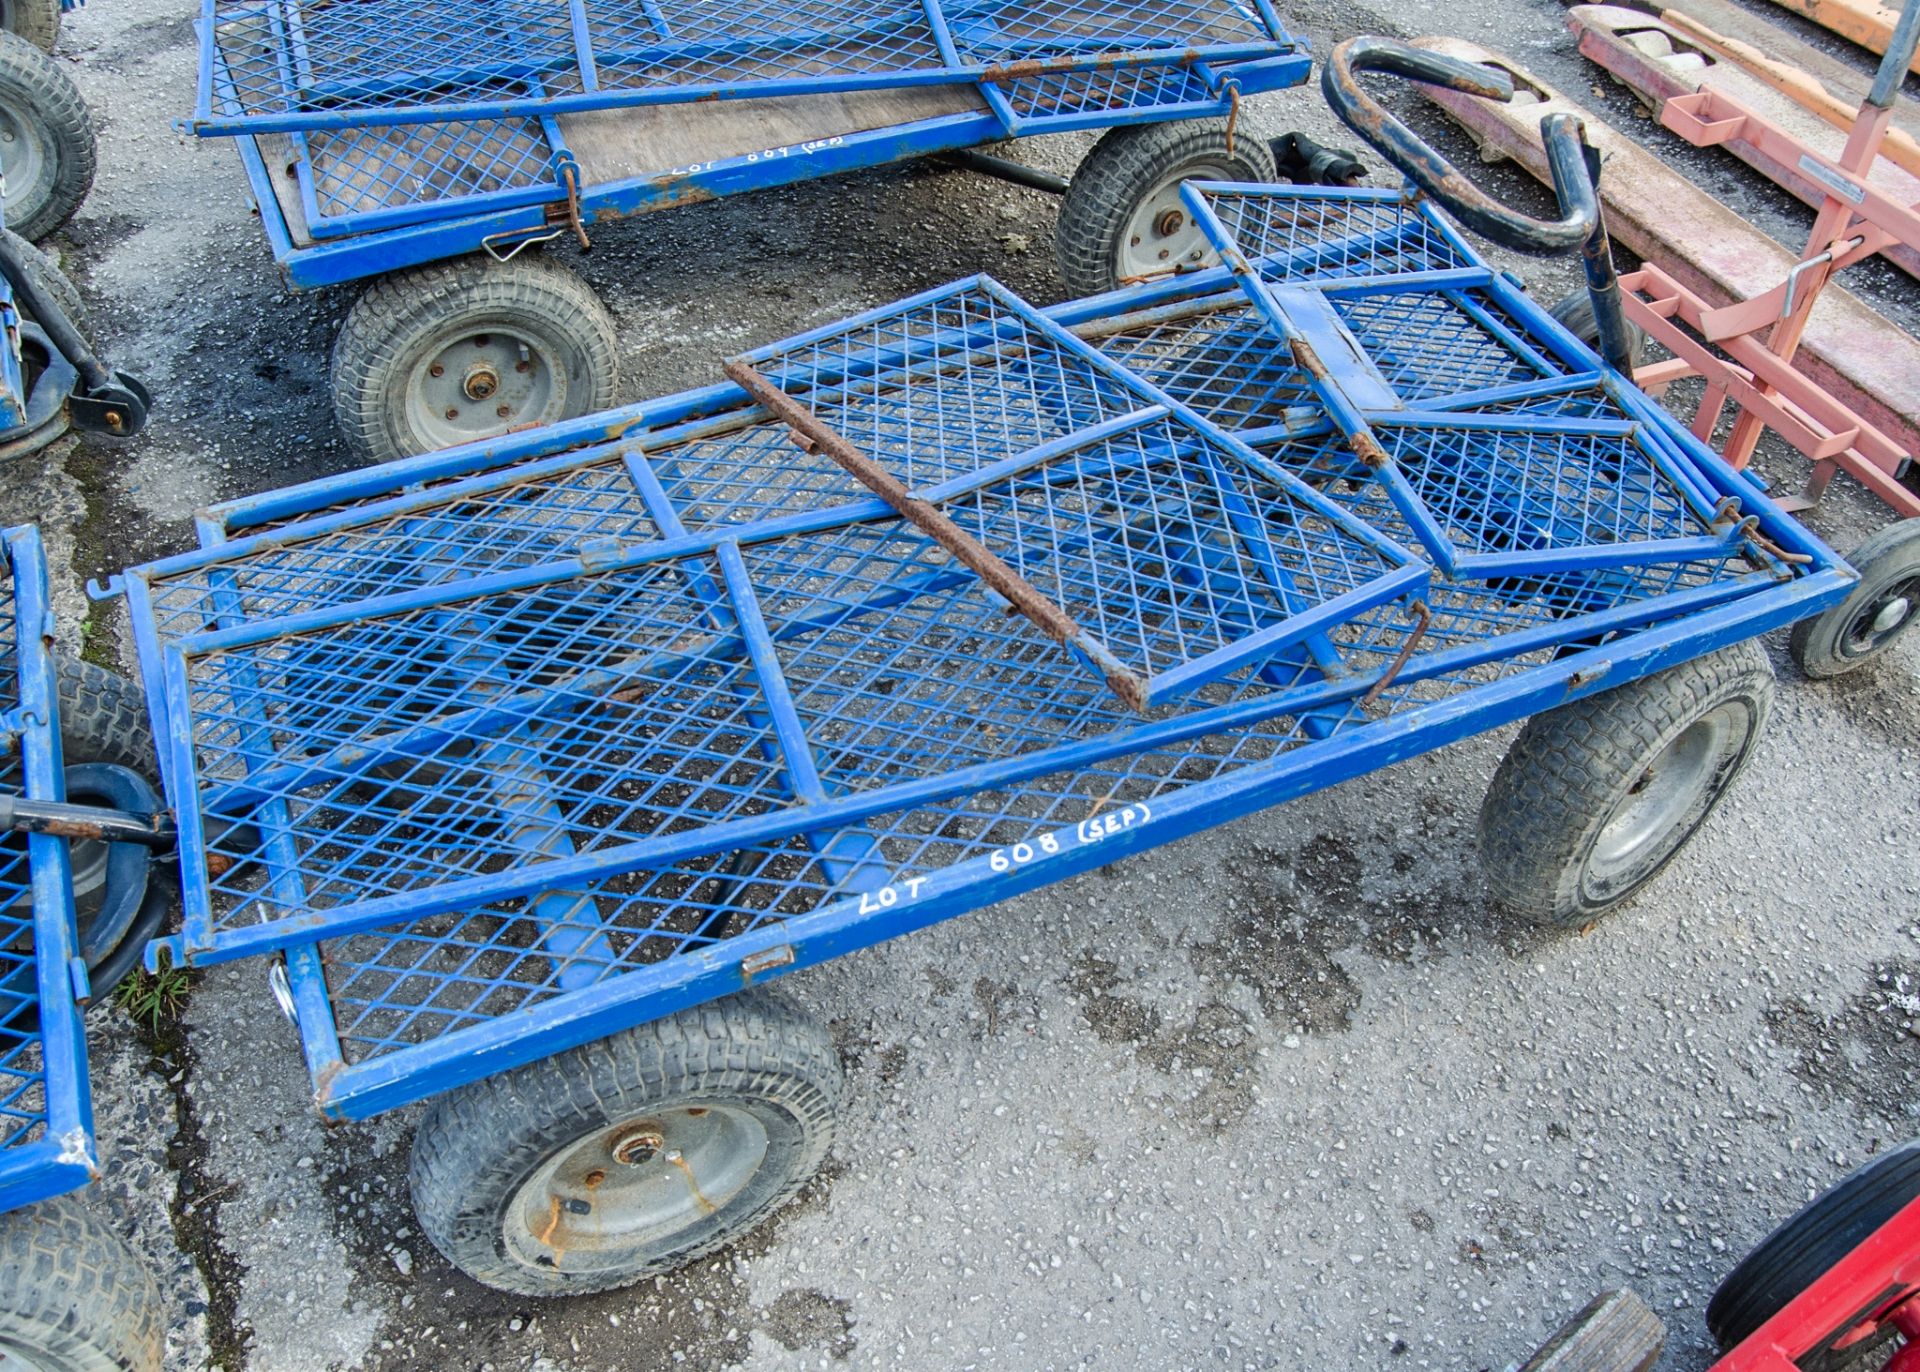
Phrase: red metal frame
x=1876 y=1285
x=1745 y=351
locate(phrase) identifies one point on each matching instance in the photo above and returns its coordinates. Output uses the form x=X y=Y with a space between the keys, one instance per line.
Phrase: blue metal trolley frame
x=378 y=135
x=46 y=1110
x=508 y=747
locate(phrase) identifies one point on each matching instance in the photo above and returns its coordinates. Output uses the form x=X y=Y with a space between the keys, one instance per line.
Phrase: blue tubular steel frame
x=452 y=187
x=285 y=66
x=46 y=1111
x=818 y=730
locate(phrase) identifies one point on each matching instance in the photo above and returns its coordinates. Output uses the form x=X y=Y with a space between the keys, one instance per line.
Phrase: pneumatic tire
x=1123 y=218
x=73 y=1297
x=460 y=351
x=1575 y=311
x=1794 y=1256
x=1879 y=611
x=103 y=717
x=37 y=21
x=46 y=140
x=628 y=1157
x=1597 y=796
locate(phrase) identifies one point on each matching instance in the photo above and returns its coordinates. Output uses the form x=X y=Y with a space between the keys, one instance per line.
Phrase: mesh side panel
x=1225 y=362
x=520 y=524
x=367 y=171
x=1111 y=90
x=1427 y=345
x=1319 y=235
x=23 y=1097
x=1498 y=492
x=292 y=58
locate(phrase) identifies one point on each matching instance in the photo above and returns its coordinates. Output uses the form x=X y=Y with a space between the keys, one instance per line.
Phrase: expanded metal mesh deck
x=535 y=745
x=45 y=1120
x=286 y=65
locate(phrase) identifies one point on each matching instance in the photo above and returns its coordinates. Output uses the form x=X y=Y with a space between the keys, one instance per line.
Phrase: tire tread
x=371 y=340
x=752 y=1041
x=1564 y=766
x=71 y=1285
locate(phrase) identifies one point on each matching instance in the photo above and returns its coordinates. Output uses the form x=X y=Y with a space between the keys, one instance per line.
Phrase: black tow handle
x=107 y=401
x=1572 y=161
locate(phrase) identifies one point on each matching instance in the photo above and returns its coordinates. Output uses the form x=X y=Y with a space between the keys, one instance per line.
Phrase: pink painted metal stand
x=1745 y=350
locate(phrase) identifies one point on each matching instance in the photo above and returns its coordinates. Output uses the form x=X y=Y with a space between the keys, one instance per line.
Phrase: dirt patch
x=1114 y=1018
x=1220 y=1052
x=195 y=1206
x=1867 y=1055
x=804 y=1318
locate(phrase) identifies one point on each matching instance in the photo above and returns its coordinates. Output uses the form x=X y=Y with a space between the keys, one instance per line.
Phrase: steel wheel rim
x=628 y=1189
x=1885 y=616
x=479 y=379
x=22 y=157
x=1663 y=799
x=1161 y=233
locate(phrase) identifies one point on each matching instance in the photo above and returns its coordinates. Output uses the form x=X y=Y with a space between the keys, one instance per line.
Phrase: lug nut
x=638 y=1147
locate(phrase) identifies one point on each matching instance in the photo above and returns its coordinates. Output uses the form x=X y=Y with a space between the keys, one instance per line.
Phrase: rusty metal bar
x=62 y=820
x=1018 y=592
x=1423 y=620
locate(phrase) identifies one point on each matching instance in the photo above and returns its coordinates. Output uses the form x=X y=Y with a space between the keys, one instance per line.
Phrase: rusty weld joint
x=571 y=179
x=1015 y=589
x=1233 y=112
x=1423 y=617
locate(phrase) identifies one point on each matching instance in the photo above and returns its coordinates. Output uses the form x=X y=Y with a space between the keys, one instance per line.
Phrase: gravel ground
x=1289 y=1094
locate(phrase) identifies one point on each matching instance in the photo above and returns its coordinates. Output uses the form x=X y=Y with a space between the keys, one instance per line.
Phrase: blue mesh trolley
x=529 y=762
x=381 y=136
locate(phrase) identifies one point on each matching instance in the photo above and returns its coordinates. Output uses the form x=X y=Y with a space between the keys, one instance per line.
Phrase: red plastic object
x=1876 y=1285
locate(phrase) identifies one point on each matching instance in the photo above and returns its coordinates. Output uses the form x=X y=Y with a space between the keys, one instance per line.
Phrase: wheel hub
x=638 y=1146
x=1160 y=234
x=635 y=1186
x=469 y=385
x=1888 y=615
x=481 y=381
x=1663 y=798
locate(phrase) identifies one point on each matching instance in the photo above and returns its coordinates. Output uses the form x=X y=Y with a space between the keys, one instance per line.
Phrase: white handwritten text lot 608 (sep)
x=1095 y=829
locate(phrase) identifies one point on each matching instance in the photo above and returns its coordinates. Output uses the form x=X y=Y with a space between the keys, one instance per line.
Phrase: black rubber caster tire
x=1795 y=1255
x=1852 y=633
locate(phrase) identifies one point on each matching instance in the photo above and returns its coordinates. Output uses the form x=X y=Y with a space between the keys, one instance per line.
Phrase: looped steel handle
x=1563 y=135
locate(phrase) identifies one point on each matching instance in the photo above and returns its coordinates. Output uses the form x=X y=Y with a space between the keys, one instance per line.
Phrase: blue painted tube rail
x=46 y=1109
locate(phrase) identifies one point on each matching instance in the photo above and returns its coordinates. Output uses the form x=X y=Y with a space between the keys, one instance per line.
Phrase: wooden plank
x=1859 y=356
x=618 y=145
x=1725 y=17
x=1899 y=146
x=1657 y=62
x=276 y=151
x=1866 y=22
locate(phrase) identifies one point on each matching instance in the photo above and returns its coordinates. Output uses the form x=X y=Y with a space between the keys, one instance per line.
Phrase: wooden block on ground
x=1866 y=22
